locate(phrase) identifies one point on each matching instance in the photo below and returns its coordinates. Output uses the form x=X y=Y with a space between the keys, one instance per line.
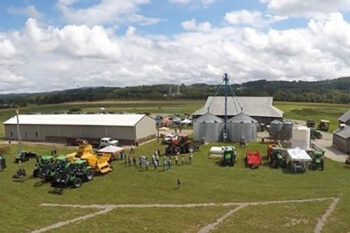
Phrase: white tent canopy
x=111 y=150
x=186 y=121
x=298 y=154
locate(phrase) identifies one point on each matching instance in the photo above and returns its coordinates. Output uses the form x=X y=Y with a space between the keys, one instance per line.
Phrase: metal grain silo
x=242 y=127
x=208 y=127
x=275 y=129
x=287 y=130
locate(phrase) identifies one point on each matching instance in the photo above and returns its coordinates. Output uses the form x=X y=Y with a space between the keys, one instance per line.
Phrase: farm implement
x=317 y=157
x=253 y=159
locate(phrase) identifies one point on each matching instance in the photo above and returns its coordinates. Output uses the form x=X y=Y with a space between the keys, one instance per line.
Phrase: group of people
x=156 y=160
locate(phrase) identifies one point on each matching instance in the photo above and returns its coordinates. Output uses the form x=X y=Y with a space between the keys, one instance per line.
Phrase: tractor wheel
x=89 y=175
x=57 y=178
x=36 y=173
x=77 y=182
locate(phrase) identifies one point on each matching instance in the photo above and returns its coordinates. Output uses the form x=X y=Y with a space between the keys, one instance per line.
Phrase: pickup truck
x=108 y=142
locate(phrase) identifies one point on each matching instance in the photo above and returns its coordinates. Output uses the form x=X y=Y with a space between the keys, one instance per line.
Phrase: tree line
x=329 y=91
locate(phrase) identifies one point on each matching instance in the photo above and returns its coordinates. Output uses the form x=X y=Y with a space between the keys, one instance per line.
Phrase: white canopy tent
x=111 y=150
x=298 y=154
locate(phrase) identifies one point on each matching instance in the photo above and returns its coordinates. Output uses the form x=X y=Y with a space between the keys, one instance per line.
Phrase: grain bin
x=209 y=127
x=287 y=130
x=242 y=127
x=275 y=129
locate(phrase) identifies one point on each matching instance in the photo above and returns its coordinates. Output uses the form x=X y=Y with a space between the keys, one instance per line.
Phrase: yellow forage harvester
x=99 y=162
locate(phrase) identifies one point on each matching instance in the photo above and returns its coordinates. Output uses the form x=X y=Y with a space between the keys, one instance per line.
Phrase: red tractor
x=180 y=145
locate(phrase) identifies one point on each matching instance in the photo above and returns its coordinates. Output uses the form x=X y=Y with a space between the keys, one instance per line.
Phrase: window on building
x=11 y=133
x=36 y=134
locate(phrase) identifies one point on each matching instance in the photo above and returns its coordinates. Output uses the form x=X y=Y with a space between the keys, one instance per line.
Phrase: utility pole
x=18 y=133
x=226 y=80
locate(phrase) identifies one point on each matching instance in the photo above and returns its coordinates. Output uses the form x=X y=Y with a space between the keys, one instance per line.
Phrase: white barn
x=127 y=128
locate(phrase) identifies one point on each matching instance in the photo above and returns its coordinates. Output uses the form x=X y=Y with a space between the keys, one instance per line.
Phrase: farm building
x=341 y=139
x=127 y=128
x=345 y=118
x=259 y=108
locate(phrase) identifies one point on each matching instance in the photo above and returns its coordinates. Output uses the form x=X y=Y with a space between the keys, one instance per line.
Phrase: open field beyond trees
x=203 y=182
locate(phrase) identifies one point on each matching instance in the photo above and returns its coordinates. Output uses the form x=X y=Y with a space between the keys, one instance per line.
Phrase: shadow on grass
x=21 y=180
x=39 y=183
x=56 y=191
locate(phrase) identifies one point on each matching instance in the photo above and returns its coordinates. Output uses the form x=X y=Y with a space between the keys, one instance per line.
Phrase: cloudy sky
x=59 y=44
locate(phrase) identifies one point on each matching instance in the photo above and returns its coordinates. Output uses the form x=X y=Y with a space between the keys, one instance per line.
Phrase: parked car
x=108 y=142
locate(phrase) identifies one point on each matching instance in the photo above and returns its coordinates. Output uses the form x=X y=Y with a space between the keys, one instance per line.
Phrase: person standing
x=191 y=157
x=155 y=164
x=169 y=162
x=178 y=183
x=133 y=160
x=176 y=159
x=146 y=163
x=129 y=160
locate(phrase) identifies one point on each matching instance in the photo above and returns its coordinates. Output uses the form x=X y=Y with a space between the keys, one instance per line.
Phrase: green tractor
x=277 y=157
x=317 y=162
x=24 y=156
x=315 y=134
x=229 y=156
x=44 y=167
x=73 y=174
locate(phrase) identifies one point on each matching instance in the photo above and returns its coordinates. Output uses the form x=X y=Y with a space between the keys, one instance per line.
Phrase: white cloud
x=192 y=25
x=29 y=11
x=308 y=8
x=42 y=58
x=106 y=11
x=251 y=18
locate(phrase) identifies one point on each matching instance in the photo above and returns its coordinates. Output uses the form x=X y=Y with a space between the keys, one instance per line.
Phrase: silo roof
x=209 y=118
x=242 y=118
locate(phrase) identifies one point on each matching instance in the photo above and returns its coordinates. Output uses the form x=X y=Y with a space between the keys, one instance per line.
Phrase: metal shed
x=208 y=127
x=243 y=127
x=341 y=139
x=127 y=128
x=345 y=118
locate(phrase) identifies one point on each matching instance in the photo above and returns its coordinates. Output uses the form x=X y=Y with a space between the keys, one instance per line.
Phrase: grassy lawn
x=316 y=111
x=203 y=182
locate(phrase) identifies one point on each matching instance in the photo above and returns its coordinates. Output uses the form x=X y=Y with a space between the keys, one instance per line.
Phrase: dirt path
x=240 y=205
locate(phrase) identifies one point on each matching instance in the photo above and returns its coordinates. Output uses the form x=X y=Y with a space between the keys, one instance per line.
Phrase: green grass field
x=202 y=182
x=315 y=111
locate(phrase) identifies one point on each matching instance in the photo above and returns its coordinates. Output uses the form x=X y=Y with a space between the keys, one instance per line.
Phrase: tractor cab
x=310 y=123
x=229 y=156
x=324 y=125
x=278 y=157
x=317 y=157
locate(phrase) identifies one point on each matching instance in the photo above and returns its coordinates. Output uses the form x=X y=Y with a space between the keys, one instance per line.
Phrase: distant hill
x=329 y=91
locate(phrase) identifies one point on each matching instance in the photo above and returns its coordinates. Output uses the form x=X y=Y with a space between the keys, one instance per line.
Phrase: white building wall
x=146 y=127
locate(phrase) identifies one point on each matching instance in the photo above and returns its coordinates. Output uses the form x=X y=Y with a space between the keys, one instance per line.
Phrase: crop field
x=211 y=198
